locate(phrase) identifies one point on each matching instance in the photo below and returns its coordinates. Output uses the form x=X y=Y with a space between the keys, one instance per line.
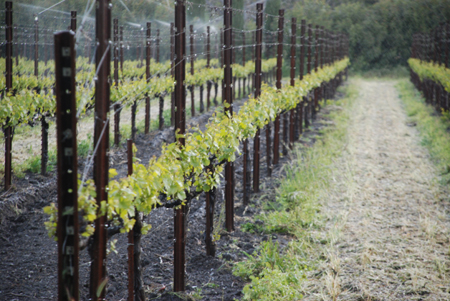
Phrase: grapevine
x=180 y=170
x=432 y=71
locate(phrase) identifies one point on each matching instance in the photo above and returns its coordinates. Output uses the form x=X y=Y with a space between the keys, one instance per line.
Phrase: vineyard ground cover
x=208 y=278
x=32 y=193
x=382 y=231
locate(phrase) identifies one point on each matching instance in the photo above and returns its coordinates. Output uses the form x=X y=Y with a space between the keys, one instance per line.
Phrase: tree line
x=380 y=31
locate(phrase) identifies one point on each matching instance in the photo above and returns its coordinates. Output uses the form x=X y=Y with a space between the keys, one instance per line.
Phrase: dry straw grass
x=387 y=225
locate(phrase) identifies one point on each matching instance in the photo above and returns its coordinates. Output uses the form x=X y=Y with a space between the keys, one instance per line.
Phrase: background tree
x=271 y=10
x=238 y=25
x=380 y=31
x=197 y=11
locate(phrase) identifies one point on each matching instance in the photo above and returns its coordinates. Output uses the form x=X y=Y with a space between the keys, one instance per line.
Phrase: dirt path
x=387 y=219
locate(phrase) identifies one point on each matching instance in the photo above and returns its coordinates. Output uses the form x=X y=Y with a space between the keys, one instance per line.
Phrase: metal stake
x=180 y=128
x=258 y=75
x=228 y=101
x=8 y=130
x=101 y=138
x=66 y=129
x=147 y=75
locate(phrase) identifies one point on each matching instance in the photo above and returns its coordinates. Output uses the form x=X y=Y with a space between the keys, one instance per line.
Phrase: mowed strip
x=387 y=217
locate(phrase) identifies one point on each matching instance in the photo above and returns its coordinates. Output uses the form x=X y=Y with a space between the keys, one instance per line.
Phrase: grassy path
x=387 y=220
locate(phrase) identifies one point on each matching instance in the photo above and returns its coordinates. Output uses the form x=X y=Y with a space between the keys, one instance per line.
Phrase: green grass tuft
x=275 y=273
x=433 y=127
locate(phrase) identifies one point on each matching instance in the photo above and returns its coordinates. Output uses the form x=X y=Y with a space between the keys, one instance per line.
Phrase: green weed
x=251 y=228
x=276 y=274
x=85 y=146
x=433 y=129
x=269 y=256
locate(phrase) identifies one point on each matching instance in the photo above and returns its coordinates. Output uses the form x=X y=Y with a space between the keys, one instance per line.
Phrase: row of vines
x=429 y=66
x=196 y=162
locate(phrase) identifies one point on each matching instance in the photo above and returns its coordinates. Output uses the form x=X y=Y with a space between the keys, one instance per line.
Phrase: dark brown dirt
x=28 y=256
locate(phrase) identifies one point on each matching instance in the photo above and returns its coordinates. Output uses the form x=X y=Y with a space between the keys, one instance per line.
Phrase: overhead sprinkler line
x=56 y=4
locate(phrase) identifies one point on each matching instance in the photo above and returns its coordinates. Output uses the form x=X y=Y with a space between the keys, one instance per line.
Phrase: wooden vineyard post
x=147 y=75
x=180 y=128
x=121 y=47
x=332 y=45
x=233 y=61
x=66 y=123
x=157 y=43
x=73 y=20
x=221 y=55
x=330 y=61
x=36 y=45
x=292 y=119
x=130 y=248
x=279 y=76
x=326 y=61
x=322 y=46
x=277 y=119
x=316 y=67
x=429 y=59
x=141 y=48
x=117 y=105
x=138 y=47
x=136 y=290
x=101 y=143
x=218 y=52
x=210 y=195
x=308 y=110
x=243 y=64
x=134 y=104
x=228 y=103
x=172 y=73
x=258 y=54
x=201 y=88
x=16 y=46
x=208 y=65
x=435 y=46
x=346 y=54
x=191 y=44
x=336 y=57
x=44 y=124
x=246 y=173
x=252 y=75
x=300 y=72
x=246 y=176
x=447 y=45
x=446 y=60
x=7 y=129
x=160 y=96
x=276 y=134
x=436 y=59
x=210 y=204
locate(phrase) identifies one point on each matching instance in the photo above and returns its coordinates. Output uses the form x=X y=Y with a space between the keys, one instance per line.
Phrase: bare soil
x=386 y=219
x=28 y=256
x=387 y=215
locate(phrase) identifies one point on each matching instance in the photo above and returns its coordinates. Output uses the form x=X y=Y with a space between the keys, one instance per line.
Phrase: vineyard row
x=429 y=66
x=191 y=165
